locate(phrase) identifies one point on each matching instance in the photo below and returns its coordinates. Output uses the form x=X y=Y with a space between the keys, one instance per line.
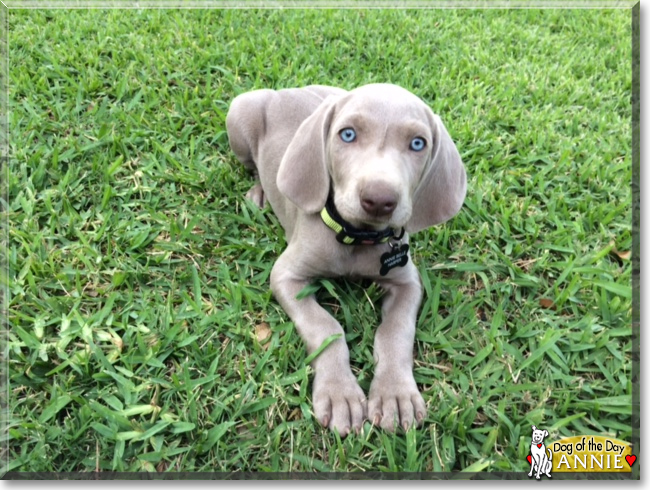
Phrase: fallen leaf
x=621 y=255
x=547 y=303
x=263 y=333
x=296 y=414
x=481 y=315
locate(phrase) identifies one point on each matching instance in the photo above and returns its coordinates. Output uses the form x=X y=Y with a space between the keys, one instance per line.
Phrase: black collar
x=349 y=234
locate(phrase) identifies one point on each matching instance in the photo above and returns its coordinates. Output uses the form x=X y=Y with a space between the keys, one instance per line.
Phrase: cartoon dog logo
x=539 y=461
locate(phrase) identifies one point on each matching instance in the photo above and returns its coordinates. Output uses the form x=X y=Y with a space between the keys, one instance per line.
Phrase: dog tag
x=397 y=257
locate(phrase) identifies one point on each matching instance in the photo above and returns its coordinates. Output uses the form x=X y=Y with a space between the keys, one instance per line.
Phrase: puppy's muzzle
x=379 y=200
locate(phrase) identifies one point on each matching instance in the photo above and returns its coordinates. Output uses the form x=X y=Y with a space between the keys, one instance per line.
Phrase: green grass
x=136 y=274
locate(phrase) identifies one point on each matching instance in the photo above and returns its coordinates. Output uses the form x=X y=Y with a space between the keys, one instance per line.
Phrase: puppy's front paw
x=395 y=401
x=339 y=403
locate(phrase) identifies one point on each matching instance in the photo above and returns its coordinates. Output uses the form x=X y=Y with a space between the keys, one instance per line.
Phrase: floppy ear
x=534 y=428
x=303 y=177
x=545 y=433
x=441 y=191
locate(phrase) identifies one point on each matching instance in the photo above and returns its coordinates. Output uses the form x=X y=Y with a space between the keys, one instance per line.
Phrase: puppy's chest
x=320 y=254
x=355 y=262
x=360 y=261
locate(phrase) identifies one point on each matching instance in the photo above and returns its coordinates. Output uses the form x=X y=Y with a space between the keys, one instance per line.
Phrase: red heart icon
x=539 y=445
x=630 y=458
x=530 y=460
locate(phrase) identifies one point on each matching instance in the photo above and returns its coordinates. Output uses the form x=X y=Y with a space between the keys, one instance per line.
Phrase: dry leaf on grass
x=626 y=255
x=263 y=333
x=480 y=313
x=623 y=255
x=547 y=303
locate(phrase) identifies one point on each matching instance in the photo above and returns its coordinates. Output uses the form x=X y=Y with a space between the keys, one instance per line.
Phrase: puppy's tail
x=550 y=454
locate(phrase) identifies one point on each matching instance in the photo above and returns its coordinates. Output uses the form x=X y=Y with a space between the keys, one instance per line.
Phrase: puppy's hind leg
x=246 y=126
x=256 y=194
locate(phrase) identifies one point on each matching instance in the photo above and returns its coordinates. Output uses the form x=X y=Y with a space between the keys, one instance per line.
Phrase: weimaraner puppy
x=350 y=175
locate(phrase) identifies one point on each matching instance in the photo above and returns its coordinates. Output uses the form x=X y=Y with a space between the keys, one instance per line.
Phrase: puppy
x=350 y=175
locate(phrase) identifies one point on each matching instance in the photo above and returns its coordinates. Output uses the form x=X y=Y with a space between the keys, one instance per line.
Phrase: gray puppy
x=350 y=175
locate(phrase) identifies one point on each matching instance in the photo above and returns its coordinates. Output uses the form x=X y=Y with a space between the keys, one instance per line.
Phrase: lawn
x=137 y=277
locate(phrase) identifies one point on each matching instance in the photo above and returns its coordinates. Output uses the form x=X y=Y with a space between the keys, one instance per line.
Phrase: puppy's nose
x=378 y=199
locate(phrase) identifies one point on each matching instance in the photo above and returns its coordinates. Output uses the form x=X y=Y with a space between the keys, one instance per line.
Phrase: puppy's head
x=387 y=158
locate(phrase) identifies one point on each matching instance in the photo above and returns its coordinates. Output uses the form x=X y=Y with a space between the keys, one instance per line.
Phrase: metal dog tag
x=397 y=257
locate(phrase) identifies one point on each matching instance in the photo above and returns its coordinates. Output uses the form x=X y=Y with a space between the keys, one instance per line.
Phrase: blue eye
x=417 y=144
x=348 y=135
